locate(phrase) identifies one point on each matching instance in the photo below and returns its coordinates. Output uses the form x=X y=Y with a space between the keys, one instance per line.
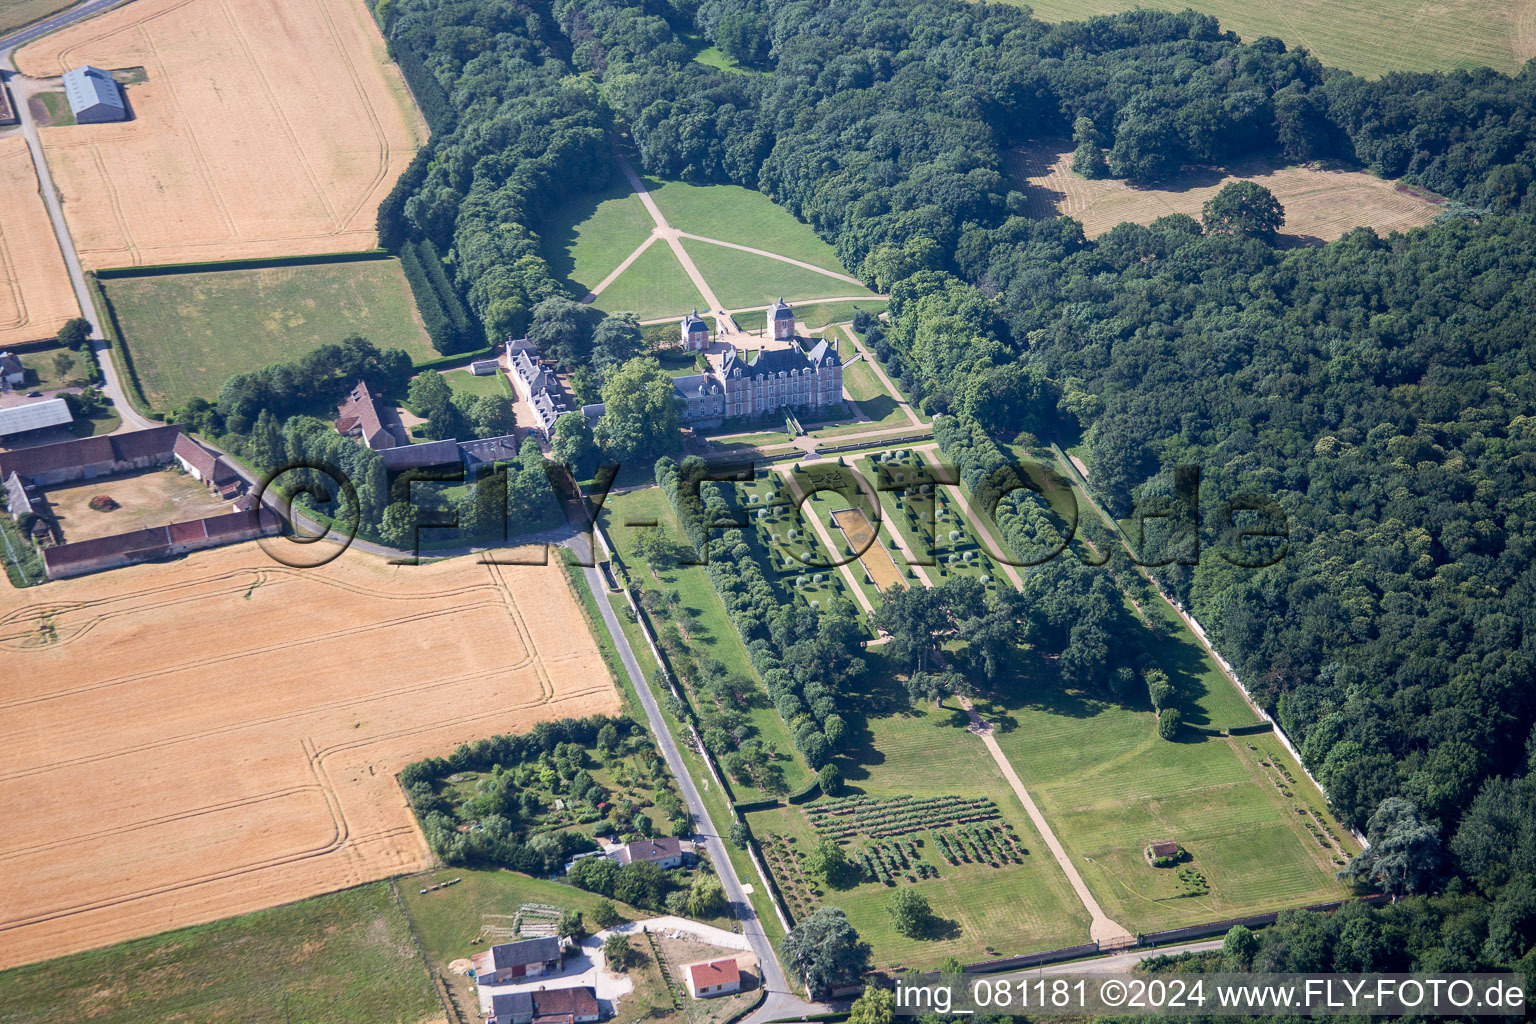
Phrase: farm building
x=664 y=853
x=509 y=961
x=94 y=97
x=715 y=978
x=7 y=108
x=23 y=419
x=203 y=465
x=11 y=370
x=90 y=457
x=157 y=542
x=576 y=1005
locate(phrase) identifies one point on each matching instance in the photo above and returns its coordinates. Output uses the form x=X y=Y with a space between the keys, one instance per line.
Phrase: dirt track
x=875 y=559
x=265 y=128
x=218 y=734
x=35 y=294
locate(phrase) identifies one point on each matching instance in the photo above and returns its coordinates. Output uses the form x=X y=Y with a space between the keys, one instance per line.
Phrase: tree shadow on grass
x=940 y=929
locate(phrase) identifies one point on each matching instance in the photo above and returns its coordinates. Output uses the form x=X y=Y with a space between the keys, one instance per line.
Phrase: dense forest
x=1379 y=389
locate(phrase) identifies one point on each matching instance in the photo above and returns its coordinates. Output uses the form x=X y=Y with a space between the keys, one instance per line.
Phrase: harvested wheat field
x=218 y=734
x=1320 y=204
x=35 y=294
x=875 y=559
x=264 y=128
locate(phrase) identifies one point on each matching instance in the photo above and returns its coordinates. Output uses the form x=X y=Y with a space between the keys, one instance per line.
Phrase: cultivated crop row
x=881 y=818
x=995 y=844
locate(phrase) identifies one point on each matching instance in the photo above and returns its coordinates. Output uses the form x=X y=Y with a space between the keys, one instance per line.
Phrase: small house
x=664 y=853
x=512 y=960
x=1163 y=854
x=695 y=332
x=11 y=370
x=715 y=978
x=484 y=367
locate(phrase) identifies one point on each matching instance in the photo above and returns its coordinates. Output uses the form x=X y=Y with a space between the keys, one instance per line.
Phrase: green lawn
x=462 y=382
x=1013 y=908
x=335 y=959
x=585 y=239
x=55 y=108
x=189 y=333
x=817 y=315
x=735 y=214
x=715 y=635
x=41 y=373
x=655 y=285
x=862 y=383
x=746 y=279
x=1109 y=785
x=1371 y=38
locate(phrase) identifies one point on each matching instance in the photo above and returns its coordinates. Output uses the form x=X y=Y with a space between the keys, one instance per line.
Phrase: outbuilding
x=94 y=95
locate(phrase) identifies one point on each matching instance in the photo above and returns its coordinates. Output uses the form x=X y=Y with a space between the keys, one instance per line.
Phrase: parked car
x=34 y=394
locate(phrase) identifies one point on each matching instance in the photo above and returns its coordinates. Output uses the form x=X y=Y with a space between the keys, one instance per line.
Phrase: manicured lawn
x=714 y=635
x=1013 y=908
x=590 y=235
x=817 y=315
x=189 y=333
x=1371 y=38
x=1109 y=785
x=41 y=373
x=462 y=382
x=335 y=959
x=863 y=385
x=746 y=279
x=735 y=214
x=655 y=285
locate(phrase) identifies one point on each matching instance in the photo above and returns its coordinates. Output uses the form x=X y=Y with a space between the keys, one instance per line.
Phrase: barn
x=94 y=96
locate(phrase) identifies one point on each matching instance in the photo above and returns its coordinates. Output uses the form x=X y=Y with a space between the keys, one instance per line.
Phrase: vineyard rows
x=995 y=844
x=896 y=816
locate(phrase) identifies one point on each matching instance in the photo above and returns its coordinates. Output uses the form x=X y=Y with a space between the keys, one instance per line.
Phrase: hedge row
x=458 y=316
x=113 y=332
x=263 y=263
x=393 y=229
x=430 y=96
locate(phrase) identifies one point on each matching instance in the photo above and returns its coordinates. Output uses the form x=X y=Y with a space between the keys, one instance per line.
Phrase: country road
x=22 y=89
x=781 y=1001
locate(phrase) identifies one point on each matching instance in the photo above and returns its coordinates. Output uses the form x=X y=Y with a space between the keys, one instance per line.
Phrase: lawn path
x=674 y=236
x=1102 y=930
x=874 y=364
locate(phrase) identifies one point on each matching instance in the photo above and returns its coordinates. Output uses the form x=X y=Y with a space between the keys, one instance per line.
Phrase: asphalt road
x=21 y=91
x=781 y=1002
x=37 y=30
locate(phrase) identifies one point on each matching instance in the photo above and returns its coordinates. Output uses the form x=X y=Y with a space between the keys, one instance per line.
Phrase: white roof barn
x=94 y=95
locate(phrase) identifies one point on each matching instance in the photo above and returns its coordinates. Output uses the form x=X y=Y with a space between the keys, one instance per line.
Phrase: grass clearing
x=924 y=752
x=1320 y=203
x=1369 y=38
x=590 y=235
x=746 y=279
x=862 y=384
x=735 y=214
x=189 y=333
x=334 y=959
x=654 y=286
x=462 y=382
x=44 y=375
x=1109 y=785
